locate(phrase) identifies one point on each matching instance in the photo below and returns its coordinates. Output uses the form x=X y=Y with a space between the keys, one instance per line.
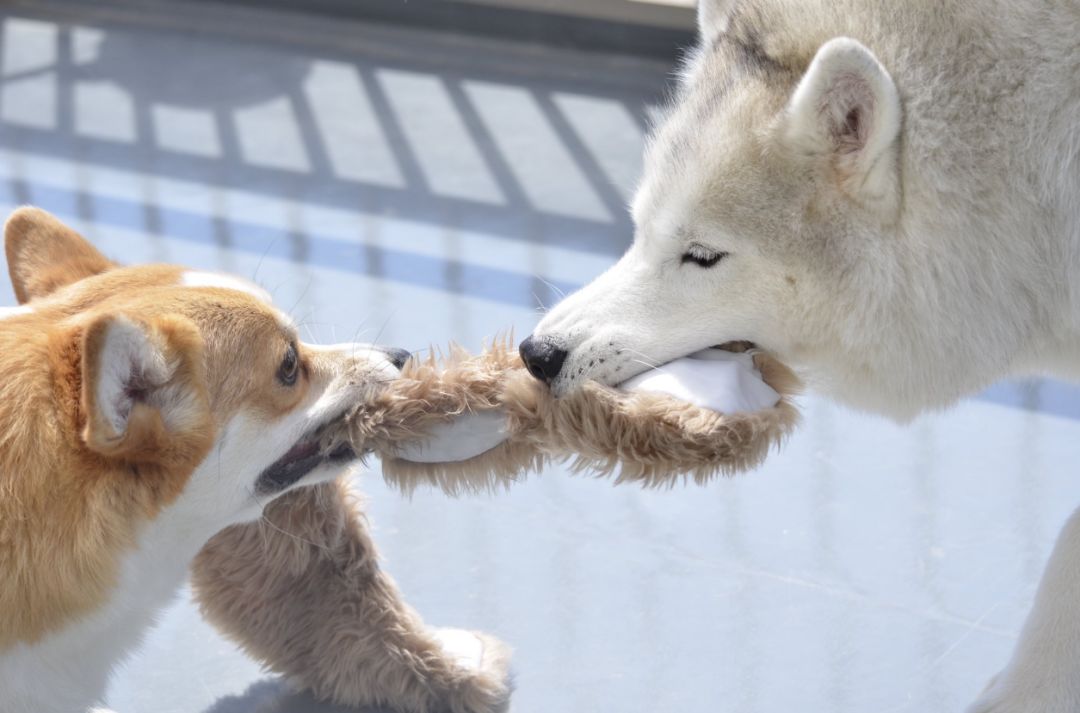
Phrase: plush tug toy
x=302 y=590
x=466 y=422
x=306 y=574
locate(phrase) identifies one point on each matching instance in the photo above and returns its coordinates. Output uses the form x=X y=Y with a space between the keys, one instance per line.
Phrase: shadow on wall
x=530 y=146
x=271 y=695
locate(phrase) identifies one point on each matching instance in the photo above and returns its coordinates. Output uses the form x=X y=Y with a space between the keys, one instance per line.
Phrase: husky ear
x=712 y=17
x=44 y=255
x=143 y=390
x=846 y=110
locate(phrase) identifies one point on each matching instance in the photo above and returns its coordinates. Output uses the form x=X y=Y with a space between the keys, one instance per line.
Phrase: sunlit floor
x=414 y=188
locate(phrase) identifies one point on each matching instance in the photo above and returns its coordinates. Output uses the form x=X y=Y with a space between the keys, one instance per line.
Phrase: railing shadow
x=470 y=136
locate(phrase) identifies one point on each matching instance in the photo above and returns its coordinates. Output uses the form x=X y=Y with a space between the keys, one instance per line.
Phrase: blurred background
x=415 y=172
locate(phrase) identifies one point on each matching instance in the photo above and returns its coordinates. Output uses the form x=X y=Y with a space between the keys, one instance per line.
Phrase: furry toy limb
x=302 y=592
x=657 y=439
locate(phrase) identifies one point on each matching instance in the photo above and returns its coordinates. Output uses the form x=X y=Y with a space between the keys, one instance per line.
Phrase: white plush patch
x=127 y=361
x=466 y=648
x=466 y=436
x=194 y=278
x=715 y=379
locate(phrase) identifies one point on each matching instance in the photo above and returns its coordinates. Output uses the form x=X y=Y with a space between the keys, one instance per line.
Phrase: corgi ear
x=846 y=111
x=44 y=255
x=712 y=17
x=143 y=389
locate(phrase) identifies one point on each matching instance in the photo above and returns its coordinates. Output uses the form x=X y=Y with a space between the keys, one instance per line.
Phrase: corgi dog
x=143 y=410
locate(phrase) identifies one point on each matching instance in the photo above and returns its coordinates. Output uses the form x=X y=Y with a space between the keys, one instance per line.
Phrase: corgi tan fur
x=151 y=413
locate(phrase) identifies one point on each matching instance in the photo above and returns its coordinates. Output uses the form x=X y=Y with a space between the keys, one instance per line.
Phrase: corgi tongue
x=303 y=449
x=715 y=379
x=300 y=460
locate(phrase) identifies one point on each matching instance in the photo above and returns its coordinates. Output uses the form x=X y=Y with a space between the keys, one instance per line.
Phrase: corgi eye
x=290 y=367
x=702 y=256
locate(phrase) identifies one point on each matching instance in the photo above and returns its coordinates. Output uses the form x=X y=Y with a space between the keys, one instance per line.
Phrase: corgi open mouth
x=309 y=453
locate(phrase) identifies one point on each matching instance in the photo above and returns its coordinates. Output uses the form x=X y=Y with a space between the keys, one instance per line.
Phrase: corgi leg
x=302 y=592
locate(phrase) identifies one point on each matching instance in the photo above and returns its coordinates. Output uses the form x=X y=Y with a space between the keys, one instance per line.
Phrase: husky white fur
x=886 y=195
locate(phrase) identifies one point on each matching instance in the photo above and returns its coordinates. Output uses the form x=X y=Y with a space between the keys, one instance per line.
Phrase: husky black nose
x=397 y=357
x=542 y=358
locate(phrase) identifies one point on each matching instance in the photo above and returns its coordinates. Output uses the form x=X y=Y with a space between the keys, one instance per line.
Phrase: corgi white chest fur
x=65 y=670
x=69 y=669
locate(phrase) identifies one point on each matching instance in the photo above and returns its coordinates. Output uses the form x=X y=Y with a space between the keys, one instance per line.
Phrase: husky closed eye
x=290 y=367
x=702 y=256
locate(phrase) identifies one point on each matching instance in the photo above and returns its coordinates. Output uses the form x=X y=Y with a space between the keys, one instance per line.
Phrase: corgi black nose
x=397 y=357
x=542 y=358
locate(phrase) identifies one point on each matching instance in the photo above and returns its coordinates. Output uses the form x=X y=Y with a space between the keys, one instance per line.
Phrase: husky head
x=768 y=212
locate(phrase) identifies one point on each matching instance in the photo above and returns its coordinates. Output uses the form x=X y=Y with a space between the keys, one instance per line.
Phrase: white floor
x=414 y=188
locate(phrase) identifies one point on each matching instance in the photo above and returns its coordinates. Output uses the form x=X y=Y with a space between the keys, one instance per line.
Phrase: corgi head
x=132 y=394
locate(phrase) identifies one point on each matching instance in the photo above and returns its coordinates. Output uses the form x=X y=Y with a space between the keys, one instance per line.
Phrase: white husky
x=887 y=196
